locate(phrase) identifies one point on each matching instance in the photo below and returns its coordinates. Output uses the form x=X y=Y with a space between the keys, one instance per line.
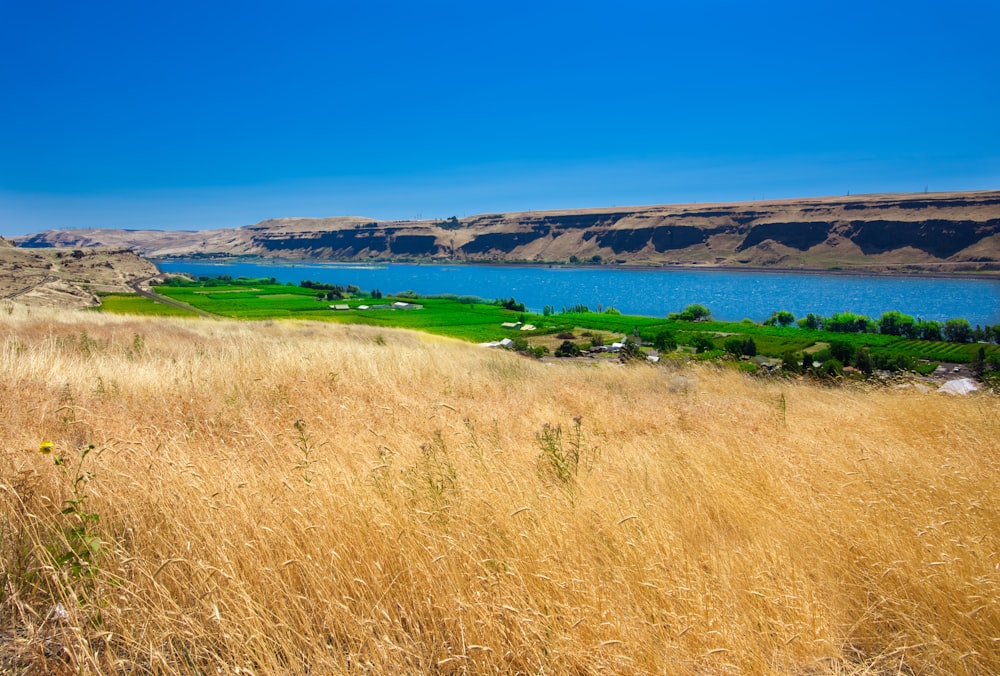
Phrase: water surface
x=729 y=295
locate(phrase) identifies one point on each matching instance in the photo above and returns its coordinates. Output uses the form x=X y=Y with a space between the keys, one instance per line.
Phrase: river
x=730 y=295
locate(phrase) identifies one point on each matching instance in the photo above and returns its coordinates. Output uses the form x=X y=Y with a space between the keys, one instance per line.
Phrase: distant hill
x=948 y=232
x=67 y=277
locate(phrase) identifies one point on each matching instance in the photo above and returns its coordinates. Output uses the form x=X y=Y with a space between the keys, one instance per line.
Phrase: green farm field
x=132 y=304
x=477 y=322
x=482 y=322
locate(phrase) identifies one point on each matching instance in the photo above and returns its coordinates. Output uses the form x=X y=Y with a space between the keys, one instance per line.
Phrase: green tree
x=692 y=313
x=863 y=361
x=957 y=331
x=790 y=363
x=665 y=341
x=848 y=322
x=895 y=323
x=929 y=330
x=842 y=351
x=811 y=321
x=780 y=318
x=698 y=311
x=979 y=363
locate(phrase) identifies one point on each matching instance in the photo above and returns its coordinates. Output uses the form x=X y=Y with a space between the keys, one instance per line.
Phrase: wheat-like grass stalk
x=724 y=523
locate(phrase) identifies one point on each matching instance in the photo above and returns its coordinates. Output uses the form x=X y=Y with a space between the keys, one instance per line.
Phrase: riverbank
x=875 y=270
x=648 y=291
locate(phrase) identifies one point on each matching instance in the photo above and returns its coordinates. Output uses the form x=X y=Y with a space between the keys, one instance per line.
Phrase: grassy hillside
x=293 y=497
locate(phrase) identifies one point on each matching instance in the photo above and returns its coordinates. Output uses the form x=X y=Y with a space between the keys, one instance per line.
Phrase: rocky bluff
x=938 y=231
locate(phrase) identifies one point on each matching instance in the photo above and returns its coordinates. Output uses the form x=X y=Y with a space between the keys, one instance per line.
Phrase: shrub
x=734 y=346
x=832 y=368
x=702 y=344
x=568 y=349
x=631 y=353
x=512 y=304
x=741 y=347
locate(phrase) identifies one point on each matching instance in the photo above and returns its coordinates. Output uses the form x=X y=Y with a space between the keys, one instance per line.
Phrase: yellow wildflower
x=45 y=447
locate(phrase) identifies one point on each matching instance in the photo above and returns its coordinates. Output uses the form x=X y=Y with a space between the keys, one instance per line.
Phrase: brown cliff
x=946 y=232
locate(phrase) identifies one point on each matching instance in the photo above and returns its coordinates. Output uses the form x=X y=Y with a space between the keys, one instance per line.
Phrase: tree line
x=892 y=323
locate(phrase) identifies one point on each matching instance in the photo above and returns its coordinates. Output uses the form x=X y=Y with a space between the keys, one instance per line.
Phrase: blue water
x=730 y=296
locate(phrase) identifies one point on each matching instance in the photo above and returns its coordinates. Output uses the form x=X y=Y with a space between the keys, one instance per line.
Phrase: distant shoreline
x=992 y=275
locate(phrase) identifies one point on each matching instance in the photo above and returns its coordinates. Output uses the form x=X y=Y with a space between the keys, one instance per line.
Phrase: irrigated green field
x=481 y=322
x=132 y=304
x=474 y=322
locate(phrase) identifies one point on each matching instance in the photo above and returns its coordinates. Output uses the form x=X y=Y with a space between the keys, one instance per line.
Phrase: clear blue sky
x=217 y=114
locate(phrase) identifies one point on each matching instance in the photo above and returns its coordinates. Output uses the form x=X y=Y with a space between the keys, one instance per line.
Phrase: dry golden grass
x=293 y=498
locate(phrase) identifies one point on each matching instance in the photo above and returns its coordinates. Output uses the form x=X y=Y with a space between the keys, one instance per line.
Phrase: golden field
x=312 y=498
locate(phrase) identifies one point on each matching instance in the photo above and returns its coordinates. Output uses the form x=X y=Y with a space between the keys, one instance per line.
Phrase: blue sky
x=218 y=114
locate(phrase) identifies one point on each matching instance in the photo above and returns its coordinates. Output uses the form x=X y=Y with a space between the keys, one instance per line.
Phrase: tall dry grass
x=311 y=498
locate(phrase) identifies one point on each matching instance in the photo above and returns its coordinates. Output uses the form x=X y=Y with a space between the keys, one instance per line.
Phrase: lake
x=730 y=296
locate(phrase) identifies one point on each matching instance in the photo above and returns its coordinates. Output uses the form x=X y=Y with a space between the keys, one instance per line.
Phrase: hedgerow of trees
x=893 y=323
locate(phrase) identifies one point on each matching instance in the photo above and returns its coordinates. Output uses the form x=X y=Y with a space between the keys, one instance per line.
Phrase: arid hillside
x=67 y=277
x=192 y=496
x=949 y=232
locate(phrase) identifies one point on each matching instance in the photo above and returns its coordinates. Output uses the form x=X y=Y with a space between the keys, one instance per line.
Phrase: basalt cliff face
x=947 y=232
